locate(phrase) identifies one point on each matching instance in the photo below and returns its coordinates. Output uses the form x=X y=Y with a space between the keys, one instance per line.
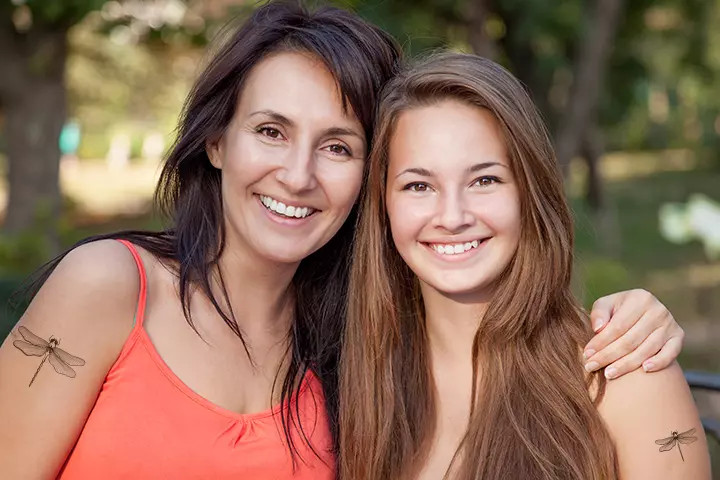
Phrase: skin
x=453 y=202
x=90 y=300
x=307 y=152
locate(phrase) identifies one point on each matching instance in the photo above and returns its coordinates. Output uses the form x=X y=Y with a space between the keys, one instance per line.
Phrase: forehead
x=446 y=134
x=297 y=85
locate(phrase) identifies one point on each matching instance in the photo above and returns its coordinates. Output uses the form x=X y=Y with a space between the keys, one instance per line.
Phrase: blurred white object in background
x=698 y=219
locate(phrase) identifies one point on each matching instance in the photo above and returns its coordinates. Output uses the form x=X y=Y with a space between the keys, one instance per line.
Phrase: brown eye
x=338 y=149
x=270 y=132
x=417 y=187
x=486 y=181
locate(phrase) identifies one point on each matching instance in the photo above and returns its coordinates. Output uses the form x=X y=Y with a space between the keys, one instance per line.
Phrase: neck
x=260 y=291
x=452 y=322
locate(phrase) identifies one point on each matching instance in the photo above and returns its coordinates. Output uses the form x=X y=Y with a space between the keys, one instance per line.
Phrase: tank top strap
x=140 y=313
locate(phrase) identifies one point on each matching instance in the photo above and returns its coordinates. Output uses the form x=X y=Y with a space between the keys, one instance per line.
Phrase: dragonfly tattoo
x=34 y=346
x=678 y=439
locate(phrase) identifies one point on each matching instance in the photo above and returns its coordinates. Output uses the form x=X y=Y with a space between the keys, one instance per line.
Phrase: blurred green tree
x=33 y=52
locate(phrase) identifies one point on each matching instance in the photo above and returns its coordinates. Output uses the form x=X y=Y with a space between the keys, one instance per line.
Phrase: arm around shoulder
x=655 y=425
x=54 y=362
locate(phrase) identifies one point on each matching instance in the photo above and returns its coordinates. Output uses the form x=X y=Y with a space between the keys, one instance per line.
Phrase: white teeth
x=285 y=210
x=455 y=248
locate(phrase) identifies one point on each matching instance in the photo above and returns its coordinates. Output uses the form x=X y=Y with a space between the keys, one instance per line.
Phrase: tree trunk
x=592 y=151
x=588 y=76
x=478 y=37
x=33 y=99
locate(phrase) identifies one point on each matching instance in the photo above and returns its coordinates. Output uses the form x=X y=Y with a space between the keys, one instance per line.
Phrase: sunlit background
x=90 y=91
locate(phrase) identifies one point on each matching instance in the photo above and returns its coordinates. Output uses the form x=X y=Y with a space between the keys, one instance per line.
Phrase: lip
x=280 y=220
x=457 y=257
x=285 y=201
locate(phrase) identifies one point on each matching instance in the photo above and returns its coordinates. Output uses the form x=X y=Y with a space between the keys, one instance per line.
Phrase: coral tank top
x=147 y=424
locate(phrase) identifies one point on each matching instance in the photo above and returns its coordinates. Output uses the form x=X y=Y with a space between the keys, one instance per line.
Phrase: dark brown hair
x=362 y=58
x=532 y=413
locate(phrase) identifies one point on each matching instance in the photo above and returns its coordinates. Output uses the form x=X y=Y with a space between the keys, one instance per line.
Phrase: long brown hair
x=362 y=58
x=532 y=414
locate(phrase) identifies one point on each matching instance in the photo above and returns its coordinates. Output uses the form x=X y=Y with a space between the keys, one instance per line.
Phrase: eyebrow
x=332 y=131
x=427 y=173
x=278 y=117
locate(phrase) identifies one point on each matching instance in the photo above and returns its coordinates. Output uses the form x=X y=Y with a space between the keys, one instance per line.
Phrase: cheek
x=408 y=217
x=246 y=160
x=341 y=182
x=503 y=216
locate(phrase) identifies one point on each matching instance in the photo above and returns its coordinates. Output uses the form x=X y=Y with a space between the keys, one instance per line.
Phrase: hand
x=634 y=329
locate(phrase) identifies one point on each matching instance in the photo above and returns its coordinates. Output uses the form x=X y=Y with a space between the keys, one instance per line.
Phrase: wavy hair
x=532 y=415
x=362 y=58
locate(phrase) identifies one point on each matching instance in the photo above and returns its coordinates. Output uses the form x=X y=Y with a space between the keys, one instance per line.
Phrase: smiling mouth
x=456 y=248
x=285 y=211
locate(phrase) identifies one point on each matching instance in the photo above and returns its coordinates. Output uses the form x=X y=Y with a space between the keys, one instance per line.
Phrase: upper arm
x=88 y=304
x=641 y=408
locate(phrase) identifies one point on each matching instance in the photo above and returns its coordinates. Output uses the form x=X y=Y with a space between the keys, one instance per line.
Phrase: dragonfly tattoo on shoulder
x=34 y=346
x=678 y=439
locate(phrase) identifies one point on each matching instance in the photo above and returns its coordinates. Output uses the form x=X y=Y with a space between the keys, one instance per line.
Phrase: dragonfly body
x=32 y=345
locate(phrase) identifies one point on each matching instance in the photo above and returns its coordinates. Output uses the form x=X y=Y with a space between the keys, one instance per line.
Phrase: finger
x=666 y=356
x=628 y=342
x=626 y=315
x=632 y=361
x=622 y=346
x=603 y=309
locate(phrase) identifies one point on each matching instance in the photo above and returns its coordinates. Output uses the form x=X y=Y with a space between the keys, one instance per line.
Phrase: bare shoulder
x=59 y=355
x=641 y=411
x=95 y=286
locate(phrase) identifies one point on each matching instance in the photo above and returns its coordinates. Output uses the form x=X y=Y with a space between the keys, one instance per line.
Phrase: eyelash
x=413 y=187
x=492 y=178
x=265 y=131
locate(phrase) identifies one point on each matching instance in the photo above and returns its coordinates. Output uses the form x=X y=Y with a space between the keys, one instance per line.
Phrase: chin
x=459 y=284
x=285 y=254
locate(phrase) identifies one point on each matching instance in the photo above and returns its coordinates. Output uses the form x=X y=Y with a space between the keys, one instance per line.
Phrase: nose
x=297 y=172
x=452 y=214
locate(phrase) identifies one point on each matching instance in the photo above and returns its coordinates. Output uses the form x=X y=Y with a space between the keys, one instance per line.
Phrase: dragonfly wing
x=688 y=433
x=30 y=349
x=31 y=337
x=687 y=440
x=67 y=358
x=663 y=441
x=667 y=447
x=60 y=366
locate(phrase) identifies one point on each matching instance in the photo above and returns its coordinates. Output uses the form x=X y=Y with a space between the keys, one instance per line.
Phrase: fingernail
x=588 y=353
x=647 y=366
x=598 y=324
x=592 y=366
x=610 y=373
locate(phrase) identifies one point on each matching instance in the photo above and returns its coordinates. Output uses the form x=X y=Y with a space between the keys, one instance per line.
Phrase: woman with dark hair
x=261 y=189
x=463 y=343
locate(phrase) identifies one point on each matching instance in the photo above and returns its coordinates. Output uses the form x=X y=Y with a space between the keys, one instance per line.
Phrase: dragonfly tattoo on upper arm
x=34 y=346
x=678 y=439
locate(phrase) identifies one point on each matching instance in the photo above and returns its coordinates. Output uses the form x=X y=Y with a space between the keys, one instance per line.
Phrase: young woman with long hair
x=463 y=342
x=219 y=359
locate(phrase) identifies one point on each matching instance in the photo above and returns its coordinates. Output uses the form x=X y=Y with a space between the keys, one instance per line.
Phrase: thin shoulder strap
x=140 y=314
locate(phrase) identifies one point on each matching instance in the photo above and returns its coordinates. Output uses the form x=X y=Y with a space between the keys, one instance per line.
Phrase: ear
x=215 y=151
